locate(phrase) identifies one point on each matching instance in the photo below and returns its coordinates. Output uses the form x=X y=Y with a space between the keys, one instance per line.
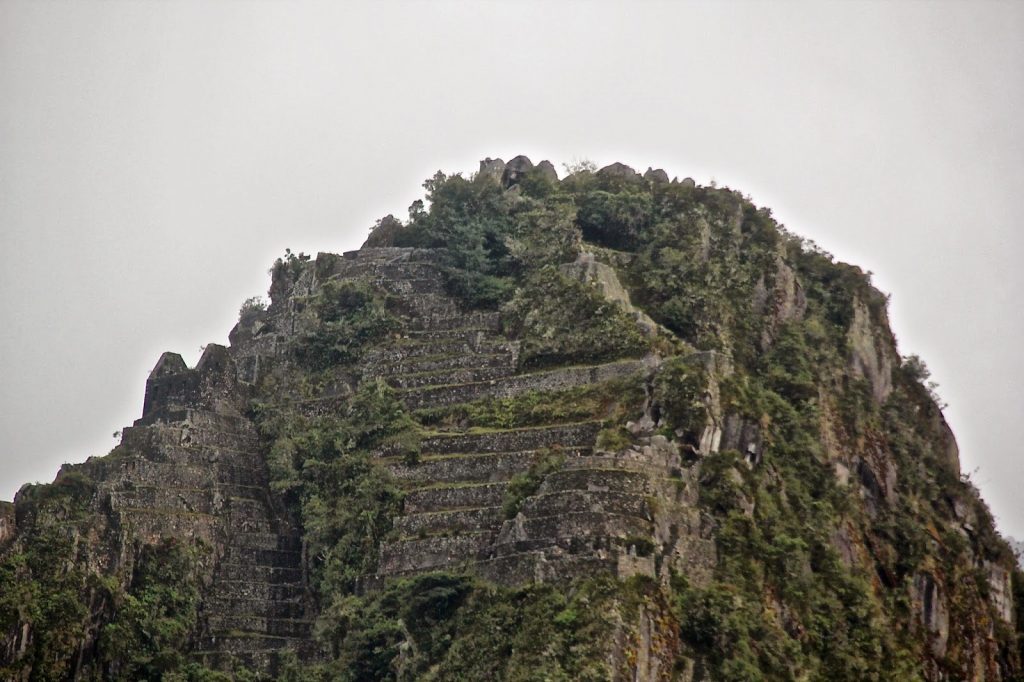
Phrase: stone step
x=431 y=553
x=405 y=349
x=275 y=627
x=265 y=608
x=609 y=480
x=230 y=571
x=237 y=643
x=197 y=501
x=385 y=254
x=266 y=660
x=450 y=521
x=458 y=335
x=140 y=470
x=570 y=501
x=388 y=270
x=550 y=562
x=248 y=589
x=463 y=468
x=273 y=558
x=549 y=380
x=448 y=376
x=148 y=437
x=405 y=286
x=577 y=434
x=286 y=542
x=186 y=417
x=152 y=498
x=469 y=320
x=506 y=361
x=581 y=540
x=539 y=566
x=151 y=524
x=574 y=525
x=470 y=468
x=139 y=484
x=424 y=305
x=441 y=498
x=221 y=464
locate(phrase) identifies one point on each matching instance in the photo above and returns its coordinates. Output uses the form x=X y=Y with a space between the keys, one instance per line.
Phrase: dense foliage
x=323 y=465
x=565 y=321
x=349 y=316
x=147 y=637
x=440 y=626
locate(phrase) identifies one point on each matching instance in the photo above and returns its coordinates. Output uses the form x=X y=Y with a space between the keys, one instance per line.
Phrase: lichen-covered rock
x=932 y=611
x=620 y=170
x=869 y=356
x=656 y=175
x=514 y=170
x=1000 y=591
x=784 y=302
x=547 y=171
x=492 y=169
x=588 y=269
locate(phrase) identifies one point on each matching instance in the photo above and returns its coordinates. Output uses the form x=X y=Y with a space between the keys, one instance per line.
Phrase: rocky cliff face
x=608 y=427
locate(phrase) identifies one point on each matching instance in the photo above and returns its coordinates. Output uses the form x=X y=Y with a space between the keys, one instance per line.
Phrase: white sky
x=156 y=157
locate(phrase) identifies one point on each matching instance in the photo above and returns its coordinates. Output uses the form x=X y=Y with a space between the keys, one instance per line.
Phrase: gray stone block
x=454 y=497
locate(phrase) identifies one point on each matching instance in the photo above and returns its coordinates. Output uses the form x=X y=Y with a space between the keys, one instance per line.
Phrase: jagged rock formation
x=698 y=430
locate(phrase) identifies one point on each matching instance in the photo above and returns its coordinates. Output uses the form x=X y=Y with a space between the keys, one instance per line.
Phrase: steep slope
x=606 y=427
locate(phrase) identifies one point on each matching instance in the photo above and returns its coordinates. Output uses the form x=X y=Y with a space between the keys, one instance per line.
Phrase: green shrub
x=614 y=439
x=325 y=465
x=679 y=392
x=528 y=483
x=616 y=220
x=154 y=619
x=564 y=321
x=350 y=317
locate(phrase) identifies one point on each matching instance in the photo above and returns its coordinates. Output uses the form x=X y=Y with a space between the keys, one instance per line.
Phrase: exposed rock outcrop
x=588 y=269
x=780 y=302
x=870 y=357
x=656 y=175
x=514 y=170
x=490 y=168
x=619 y=170
x=932 y=611
x=547 y=171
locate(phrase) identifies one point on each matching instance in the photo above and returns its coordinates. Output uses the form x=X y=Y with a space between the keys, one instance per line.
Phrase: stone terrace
x=582 y=518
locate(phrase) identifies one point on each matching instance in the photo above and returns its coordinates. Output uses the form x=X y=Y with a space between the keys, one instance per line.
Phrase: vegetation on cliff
x=815 y=578
x=846 y=545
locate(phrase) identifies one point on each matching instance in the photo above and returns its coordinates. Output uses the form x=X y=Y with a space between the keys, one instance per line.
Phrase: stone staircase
x=453 y=519
x=259 y=597
x=198 y=474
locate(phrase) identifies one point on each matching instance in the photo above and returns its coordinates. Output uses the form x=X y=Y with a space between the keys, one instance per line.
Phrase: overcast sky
x=156 y=157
